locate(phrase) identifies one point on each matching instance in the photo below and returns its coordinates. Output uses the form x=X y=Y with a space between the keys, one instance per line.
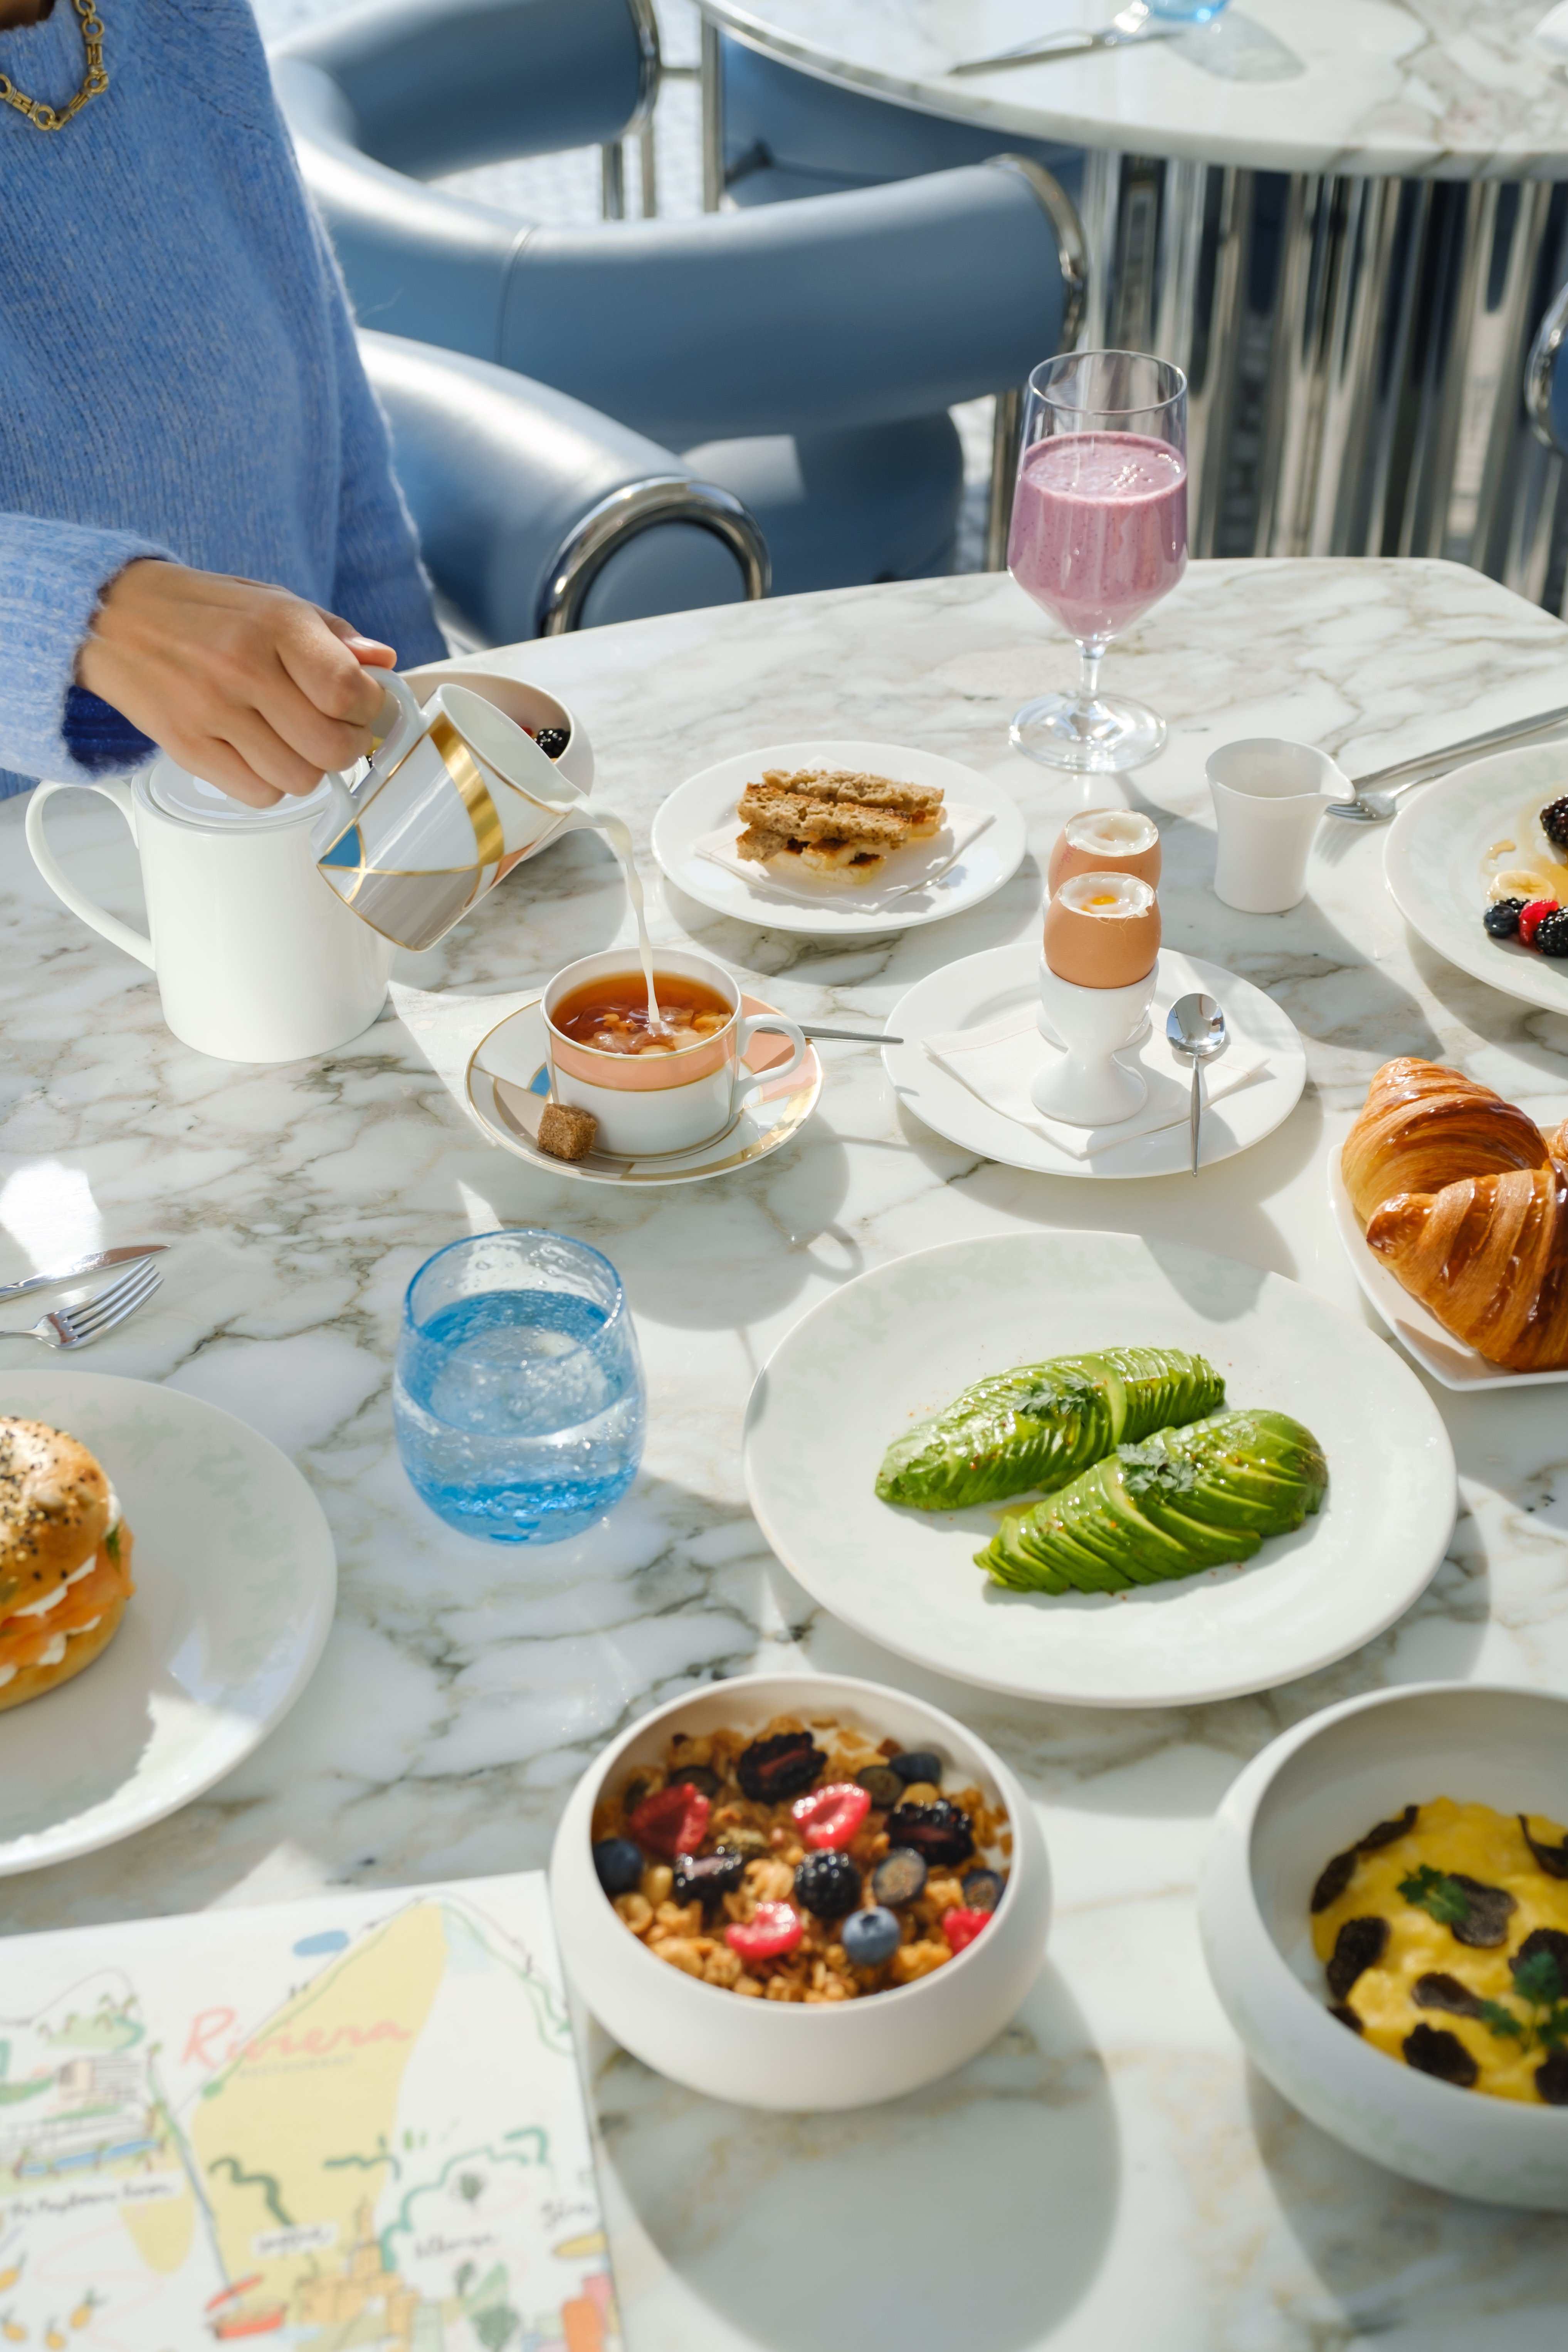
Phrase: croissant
x=1489 y=1257
x=1423 y=1126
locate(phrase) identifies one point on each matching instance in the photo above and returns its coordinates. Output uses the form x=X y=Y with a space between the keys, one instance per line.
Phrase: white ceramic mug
x=255 y=963
x=654 y=1103
x=1269 y=796
x=455 y=794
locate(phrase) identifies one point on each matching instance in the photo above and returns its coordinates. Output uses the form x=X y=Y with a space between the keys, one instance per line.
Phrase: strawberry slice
x=773 y=1930
x=961 y=1927
x=671 y=1821
x=829 y=1817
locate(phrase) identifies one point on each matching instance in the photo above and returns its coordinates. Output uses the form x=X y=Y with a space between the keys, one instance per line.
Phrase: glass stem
x=1090 y=654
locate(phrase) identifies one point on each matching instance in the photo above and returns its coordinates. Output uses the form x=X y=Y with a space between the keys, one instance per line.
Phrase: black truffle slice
x=1347 y=2016
x=786 y=1766
x=1332 y=1880
x=1541 y=1941
x=706 y=1876
x=939 y=1833
x=1436 y=1990
x=1360 y=1944
x=1491 y=1907
x=1552 y=1859
x=1551 y=2079
x=1384 y=1833
x=1432 y=2051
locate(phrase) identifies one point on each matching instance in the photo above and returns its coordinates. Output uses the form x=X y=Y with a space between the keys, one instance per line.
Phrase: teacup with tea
x=659 y=1078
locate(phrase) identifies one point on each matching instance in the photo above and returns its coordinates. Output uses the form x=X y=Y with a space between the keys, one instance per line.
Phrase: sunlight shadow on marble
x=829 y=2232
x=1400 y=2265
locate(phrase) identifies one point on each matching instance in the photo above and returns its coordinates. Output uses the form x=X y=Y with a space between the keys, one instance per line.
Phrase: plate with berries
x=1479 y=864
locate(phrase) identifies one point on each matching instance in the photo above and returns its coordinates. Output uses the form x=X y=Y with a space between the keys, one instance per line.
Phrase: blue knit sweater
x=178 y=373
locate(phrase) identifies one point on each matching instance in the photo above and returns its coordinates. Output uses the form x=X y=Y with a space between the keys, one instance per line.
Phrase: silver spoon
x=1195 y=1027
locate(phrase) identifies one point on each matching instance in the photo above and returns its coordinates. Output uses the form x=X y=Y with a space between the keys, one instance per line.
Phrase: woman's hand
x=244 y=685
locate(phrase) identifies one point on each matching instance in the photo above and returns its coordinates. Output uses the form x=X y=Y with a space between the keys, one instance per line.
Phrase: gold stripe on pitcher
x=463 y=769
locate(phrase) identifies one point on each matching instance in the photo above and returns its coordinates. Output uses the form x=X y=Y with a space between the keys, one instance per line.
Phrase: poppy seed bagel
x=56 y=1508
x=32 y=1682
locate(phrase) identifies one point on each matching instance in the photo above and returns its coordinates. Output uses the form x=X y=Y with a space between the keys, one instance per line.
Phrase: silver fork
x=78 y=1327
x=1130 y=24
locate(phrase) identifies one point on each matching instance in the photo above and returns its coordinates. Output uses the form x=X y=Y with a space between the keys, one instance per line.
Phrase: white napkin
x=999 y=1062
x=902 y=871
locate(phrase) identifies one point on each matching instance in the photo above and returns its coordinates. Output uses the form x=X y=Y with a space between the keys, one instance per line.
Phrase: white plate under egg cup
x=235 y=1583
x=708 y=799
x=846 y=1380
x=1310 y=1795
x=1416 y=1329
x=785 y=2055
x=982 y=989
x=1435 y=863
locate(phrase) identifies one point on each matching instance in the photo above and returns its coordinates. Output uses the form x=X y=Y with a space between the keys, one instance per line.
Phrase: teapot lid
x=194 y=801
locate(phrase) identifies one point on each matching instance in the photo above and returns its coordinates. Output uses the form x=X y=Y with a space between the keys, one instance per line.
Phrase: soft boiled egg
x=1102 y=931
x=1106 y=841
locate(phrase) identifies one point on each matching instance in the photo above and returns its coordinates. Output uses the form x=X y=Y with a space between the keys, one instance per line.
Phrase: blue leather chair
x=801 y=356
x=784 y=133
x=537 y=515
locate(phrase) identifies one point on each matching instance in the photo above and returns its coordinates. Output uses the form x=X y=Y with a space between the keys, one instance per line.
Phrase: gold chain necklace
x=44 y=117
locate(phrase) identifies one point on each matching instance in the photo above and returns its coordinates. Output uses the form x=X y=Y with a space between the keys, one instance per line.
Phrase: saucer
x=1416 y=1329
x=508 y=1084
x=982 y=989
x=705 y=801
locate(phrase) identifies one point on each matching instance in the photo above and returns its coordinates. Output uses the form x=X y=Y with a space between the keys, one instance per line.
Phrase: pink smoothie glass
x=1099 y=535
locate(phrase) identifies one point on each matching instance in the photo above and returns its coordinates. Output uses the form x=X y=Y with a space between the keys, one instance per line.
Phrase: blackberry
x=785 y=1766
x=1501 y=918
x=552 y=741
x=827 y=1883
x=706 y=1876
x=939 y=1833
x=1552 y=933
x=1554 y=823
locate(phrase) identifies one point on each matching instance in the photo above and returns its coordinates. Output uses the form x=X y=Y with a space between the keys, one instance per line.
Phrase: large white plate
x=1434 y=864
x=982 y=988
x=897 y=1344
x=707 y=801
x=236 y=1581
x=1447 y=1359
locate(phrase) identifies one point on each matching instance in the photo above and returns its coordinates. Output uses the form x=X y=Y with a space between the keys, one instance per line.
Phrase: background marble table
x=1109 y=2173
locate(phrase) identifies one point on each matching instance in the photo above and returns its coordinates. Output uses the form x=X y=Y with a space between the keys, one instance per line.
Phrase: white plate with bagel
x=707 y=805
x=1484 y=1222
x=109 y=1725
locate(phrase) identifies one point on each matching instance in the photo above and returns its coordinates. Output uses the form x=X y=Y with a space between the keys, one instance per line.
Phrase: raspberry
x=1530 y=916
x=773 y=1929
x=961 y=1927
x=671 y=1821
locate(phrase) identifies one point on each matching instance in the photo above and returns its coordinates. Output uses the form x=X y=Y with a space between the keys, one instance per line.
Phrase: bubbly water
x=519 y=1418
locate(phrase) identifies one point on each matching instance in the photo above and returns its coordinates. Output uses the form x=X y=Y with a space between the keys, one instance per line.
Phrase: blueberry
x=620 y=1865
x=694 y=1776
x=983 y=1889
x=827 y=1883
x=1501 y=918
x=870 y=1937
x=917 y=1764
x=882 y=1785
x=899 y=1876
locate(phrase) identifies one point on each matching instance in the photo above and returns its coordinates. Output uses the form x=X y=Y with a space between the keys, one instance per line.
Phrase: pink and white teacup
x=651 y=1103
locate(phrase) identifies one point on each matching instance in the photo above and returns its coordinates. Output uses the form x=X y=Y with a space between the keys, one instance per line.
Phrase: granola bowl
x=826 y=2034
x=1306 y=1802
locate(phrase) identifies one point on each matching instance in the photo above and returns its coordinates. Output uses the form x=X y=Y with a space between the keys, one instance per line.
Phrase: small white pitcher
x=456 y=795
x=1269 y=796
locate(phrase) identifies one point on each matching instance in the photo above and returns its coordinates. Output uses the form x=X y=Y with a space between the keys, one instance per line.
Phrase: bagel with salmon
x=65 y=1559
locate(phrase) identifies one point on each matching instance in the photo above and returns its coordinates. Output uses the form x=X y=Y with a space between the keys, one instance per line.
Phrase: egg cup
x=1086 y=1085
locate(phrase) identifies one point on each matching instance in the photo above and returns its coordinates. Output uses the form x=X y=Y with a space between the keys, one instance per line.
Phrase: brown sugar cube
x=565 y=1132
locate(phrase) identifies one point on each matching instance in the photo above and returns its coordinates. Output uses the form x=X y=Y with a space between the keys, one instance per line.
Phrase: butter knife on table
x=92 y=1264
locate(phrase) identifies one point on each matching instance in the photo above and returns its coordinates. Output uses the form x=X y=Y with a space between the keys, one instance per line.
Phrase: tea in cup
x=658 y=1085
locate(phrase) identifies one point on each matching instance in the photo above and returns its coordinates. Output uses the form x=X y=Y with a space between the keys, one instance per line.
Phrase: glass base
x=1101 y=736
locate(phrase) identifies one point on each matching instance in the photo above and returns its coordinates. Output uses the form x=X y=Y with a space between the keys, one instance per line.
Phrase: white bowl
x=529 y=706
x=763 y=2053
x=1309 y=1795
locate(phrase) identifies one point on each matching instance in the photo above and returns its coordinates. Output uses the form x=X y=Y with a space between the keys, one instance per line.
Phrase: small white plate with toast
x=1416 y=1329
x=833 y=908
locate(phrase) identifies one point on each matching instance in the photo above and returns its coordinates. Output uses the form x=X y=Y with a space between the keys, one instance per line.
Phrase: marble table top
x=1109 y=2173
x=1435 y=88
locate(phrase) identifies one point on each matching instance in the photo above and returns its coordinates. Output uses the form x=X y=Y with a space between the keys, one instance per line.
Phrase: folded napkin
x=999 y=1062
x=902 y=871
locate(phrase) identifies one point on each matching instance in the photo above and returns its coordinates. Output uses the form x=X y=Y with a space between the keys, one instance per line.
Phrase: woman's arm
x=53 y=576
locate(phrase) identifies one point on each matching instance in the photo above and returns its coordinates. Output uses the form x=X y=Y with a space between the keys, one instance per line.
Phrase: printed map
x=354 y=2121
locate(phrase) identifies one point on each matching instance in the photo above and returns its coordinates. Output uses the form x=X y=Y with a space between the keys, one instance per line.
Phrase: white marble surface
x=1439 y=89
x=1108 y=2175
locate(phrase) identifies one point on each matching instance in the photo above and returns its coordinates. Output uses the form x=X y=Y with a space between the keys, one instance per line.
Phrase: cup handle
x=121 y=935
x=399 y=724
x=749 y=1026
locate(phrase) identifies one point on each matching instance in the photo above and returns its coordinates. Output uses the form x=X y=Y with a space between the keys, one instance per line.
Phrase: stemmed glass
x=1099 y=535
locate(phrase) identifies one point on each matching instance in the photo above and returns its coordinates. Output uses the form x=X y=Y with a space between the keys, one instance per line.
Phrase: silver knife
x=82 y=1266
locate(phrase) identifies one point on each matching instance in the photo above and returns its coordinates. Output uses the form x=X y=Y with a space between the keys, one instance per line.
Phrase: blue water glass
x=1186 y=12
x=518 y=1397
